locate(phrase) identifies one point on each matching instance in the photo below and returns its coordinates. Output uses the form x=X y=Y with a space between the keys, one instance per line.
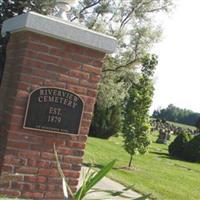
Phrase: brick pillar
x=45 y=52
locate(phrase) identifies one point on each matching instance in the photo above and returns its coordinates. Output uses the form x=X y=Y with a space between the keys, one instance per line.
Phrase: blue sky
x=177 y=78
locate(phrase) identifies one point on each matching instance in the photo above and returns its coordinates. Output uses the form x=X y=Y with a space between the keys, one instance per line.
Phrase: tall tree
x=133 y=23
x=137 y=123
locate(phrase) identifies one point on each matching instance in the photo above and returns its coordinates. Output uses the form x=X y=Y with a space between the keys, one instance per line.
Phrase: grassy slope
x=154 y=173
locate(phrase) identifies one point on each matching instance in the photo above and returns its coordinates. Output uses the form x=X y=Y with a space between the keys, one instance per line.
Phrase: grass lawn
x=155 y=172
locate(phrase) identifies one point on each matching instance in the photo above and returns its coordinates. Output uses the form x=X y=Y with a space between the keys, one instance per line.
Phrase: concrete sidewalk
x=108 y=184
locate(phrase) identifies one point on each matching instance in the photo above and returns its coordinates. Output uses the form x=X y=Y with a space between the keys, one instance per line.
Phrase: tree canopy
x=134 y=24
x=176 y=114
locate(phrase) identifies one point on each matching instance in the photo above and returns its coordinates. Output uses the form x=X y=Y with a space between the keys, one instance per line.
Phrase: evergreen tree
x=106 y=122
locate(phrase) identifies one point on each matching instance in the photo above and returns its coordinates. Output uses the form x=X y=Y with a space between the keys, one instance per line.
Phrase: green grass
x=155 y=172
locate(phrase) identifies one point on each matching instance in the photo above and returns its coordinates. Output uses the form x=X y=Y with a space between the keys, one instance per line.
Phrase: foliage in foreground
x=90 y=180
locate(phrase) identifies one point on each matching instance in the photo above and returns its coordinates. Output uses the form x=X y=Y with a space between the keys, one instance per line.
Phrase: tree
x=175 y=114
x=106 y=122
x=132 y=23
x=137 y=123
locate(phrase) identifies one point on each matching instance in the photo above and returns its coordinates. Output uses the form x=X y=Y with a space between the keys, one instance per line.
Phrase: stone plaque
x=54 y=110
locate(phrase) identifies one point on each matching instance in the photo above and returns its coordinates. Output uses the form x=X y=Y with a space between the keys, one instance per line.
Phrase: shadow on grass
x=164 y=155
x=93 y=165
x=99 y=166
x=160 y=155
x=167 y=156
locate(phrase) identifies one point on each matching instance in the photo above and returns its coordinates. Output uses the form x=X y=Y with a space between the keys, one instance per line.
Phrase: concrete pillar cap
x=60 y=29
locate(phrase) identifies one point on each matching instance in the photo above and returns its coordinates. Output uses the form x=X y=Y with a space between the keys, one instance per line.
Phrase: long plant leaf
x=94 y=180
x=65 y=184
x=86 y=178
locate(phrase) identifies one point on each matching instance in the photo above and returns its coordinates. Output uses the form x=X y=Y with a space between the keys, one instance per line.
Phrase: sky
x=177 y=77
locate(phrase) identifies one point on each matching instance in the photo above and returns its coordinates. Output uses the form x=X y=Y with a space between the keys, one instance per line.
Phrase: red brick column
x=28 y=167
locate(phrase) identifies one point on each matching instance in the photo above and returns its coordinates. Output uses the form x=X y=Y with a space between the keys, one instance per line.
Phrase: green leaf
x=93 y=180
x=65 y=184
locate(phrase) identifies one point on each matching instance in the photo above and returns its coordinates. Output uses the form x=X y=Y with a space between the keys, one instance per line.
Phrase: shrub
x=192 y=150
x=176 y=148
x=106 y=122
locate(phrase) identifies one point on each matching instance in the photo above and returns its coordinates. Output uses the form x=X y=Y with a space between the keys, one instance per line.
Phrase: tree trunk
x=130 y=161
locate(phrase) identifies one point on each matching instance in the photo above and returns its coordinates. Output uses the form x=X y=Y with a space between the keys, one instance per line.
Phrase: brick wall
x=27 y=162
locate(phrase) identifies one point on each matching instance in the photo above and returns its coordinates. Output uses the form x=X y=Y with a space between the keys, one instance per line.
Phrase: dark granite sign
x=55 y=110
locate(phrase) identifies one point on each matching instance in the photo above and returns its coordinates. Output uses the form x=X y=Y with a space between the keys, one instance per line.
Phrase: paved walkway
x=108 y=184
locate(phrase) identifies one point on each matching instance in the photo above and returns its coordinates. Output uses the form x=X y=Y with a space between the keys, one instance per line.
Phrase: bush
x=106 y=122
x=176 y=148
x=192 y=150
